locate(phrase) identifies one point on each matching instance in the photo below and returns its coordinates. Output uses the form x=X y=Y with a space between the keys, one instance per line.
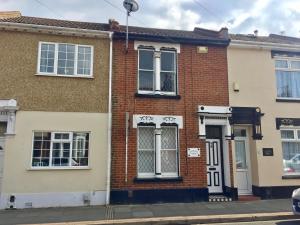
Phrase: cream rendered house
x=54 y=112
x=264 y=91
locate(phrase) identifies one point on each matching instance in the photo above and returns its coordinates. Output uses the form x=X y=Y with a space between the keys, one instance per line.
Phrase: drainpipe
x=109 y=120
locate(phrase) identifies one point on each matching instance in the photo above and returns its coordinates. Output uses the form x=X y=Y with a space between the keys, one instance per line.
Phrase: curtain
x=288 y=84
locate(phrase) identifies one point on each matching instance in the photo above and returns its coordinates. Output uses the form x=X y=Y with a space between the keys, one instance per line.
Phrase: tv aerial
x=130 y=6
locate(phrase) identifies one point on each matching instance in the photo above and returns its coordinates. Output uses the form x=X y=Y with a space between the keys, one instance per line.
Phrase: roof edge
x=263 y=45
x=53 y=29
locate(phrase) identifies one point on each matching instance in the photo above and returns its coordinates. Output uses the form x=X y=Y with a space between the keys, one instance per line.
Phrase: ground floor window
x=147 y=150
x=60 y=149
x=291 y=150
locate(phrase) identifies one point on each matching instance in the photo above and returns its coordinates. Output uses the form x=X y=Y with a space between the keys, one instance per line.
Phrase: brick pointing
x=202 y=80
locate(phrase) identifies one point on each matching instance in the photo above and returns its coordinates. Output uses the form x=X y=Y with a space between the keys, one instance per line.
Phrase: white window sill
x=69 y=76
x=59 y=168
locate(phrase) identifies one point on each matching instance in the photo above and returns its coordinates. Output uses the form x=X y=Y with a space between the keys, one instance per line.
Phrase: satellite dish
x=131 y=5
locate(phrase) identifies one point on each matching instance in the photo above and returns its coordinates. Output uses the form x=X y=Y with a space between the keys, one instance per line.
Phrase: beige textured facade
x=45 y=103
x=19 y=58
x=252 y=70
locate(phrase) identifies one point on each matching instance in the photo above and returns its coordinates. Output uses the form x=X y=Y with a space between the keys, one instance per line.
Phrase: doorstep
x=247 y=198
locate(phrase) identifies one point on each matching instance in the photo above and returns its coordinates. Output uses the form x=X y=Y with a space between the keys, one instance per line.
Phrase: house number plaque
x=193 y=152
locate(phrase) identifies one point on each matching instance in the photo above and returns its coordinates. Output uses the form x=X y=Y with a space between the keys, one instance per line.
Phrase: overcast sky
x=240 y=16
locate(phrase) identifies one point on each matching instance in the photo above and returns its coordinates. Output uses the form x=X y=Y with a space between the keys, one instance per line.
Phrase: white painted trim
x=53 y=199
x=157 y=120
x=263 y=45
x=55 y=73
x=156 y=45
x=54 y=30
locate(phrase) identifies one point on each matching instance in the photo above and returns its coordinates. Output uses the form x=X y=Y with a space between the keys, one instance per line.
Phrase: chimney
x=10 y=14
x=223 y=33
x=114 y=25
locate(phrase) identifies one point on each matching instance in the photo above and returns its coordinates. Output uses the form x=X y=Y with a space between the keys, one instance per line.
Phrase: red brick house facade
x=170 y=89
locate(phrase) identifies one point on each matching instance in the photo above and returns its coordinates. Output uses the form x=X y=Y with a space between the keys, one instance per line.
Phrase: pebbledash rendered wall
x=49 y=103
x=202 y=80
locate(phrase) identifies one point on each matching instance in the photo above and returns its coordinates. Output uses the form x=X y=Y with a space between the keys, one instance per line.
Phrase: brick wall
x=202 y=80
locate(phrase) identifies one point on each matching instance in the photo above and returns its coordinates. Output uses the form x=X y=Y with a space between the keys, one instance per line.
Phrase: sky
x=239 y=16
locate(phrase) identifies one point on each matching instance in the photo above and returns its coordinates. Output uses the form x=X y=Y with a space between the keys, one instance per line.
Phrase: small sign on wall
x=268 y=152
x=193 y=152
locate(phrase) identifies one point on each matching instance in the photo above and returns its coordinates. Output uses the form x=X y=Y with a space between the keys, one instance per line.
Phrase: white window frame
x=157 y=75
x=70 y=140
x=296 y=139
x=288 y=69
x=152 y=175
x=55 y=73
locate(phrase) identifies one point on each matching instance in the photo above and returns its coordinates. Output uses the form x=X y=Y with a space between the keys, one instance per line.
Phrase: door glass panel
x=240 y=155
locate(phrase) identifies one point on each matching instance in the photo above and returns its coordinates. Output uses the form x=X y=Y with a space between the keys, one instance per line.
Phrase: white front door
x=214 y=168
x=1 y=159
x=242 y=161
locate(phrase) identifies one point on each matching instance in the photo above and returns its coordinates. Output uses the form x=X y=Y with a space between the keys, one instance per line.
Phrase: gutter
x=53 y=30
x=107 y=201
x=263 y=45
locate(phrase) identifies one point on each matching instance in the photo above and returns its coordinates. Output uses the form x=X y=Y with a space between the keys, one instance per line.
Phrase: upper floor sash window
x=157 y=71
x=288 y=77
x=65 y=59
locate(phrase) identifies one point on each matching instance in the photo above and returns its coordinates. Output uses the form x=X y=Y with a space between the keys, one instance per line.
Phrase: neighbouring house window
x=65 y=59
x=147 y=151
x=291 y=150
x=60 y=149
x=288 y=77
x=160 y=79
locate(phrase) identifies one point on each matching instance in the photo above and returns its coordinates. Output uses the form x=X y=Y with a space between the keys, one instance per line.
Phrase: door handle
x=212 y=169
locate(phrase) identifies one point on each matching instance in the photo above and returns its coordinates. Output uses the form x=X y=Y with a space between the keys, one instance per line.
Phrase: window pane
x=169 y=150
x=295 y=64
x=146 y=162
x=41 y=149
x=167 y=61
x=84 y=60
x=167 y=82
x=47 y=58
x=66 y=57
x=146 y=81
x=298 y=132
x=146 y=150
x=168 y=138
x=291 y=157
x=80 y=149
x=281 y=64
x=240 y=133
x=288 y=84
x=287 y=134
x=146 y=59
x=169 y=161
x=146 y=138
x=240 y=154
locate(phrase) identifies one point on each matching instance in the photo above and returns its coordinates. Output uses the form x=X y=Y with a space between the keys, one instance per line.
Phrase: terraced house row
x=178 y=116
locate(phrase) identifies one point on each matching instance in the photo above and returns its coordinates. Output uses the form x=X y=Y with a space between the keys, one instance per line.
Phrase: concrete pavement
x=180 y=213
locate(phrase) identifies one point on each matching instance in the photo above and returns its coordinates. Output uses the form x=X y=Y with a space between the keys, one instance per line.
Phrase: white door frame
x=211 y=179
x=248 y=163
x=2 y=144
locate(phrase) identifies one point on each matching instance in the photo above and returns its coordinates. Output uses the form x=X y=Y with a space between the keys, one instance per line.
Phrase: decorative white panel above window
x=288 y=77
x=60 y=59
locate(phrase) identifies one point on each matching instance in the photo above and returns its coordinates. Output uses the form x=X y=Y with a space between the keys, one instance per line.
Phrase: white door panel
x=1 y=159
x=243 y=164
x=214 y=168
